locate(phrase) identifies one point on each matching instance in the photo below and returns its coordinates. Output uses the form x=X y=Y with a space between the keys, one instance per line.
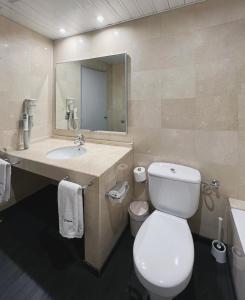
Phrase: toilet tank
x=174 y=189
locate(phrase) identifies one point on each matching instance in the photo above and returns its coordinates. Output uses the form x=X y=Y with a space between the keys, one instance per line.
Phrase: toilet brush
x=218 y=248
x=219 y=245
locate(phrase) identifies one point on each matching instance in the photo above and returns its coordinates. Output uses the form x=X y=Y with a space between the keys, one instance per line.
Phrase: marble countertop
x=97 y=160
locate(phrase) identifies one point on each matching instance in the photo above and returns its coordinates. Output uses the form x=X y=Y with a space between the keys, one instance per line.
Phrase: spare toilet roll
x=139 y=174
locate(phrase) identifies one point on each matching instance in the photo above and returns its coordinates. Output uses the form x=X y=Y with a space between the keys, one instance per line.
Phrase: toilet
x=163 y=248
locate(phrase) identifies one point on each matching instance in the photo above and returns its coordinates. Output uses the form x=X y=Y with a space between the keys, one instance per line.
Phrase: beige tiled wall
x=187 y=97
x=25 y=72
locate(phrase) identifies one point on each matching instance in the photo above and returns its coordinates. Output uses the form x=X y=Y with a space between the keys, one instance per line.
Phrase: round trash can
x=138 y=212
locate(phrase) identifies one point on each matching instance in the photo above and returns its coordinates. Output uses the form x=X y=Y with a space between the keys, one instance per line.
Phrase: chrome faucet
x=79 y=140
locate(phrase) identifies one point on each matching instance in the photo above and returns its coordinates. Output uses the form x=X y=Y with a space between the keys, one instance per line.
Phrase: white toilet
x=163 y=248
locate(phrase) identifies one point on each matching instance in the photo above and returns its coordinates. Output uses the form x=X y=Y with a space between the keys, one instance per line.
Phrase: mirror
x=91 y=94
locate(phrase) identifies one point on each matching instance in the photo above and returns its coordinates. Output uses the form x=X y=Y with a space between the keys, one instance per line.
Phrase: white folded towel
x=70 y=207
x=5 y=180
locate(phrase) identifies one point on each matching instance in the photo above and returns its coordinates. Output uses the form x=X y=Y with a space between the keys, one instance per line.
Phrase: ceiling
x=59 y=18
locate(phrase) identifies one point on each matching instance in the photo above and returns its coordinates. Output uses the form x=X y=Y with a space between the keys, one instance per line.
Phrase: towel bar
x=12 y=163
x=83 y=187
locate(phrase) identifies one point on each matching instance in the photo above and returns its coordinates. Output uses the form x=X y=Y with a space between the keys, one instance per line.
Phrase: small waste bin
x=138 y=212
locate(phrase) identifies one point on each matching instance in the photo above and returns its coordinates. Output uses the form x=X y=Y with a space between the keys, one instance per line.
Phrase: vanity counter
x=95 y=162
x=100 y=168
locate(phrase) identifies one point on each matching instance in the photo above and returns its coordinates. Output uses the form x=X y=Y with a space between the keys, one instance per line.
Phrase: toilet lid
x=163 y=250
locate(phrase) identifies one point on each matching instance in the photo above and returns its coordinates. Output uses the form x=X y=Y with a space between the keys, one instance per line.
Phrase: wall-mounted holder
x=214 y=184
x=12 y=163
x=118 y=192
x=27 y=120
x=83 y=187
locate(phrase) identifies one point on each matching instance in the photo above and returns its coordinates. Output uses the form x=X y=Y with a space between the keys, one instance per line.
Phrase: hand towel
x=70 y=208
x=5 y=180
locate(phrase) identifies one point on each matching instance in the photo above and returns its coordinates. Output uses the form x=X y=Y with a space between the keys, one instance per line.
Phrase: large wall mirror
x=92 y=95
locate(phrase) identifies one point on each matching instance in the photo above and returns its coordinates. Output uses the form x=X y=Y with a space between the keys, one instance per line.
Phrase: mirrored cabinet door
x=92 y=95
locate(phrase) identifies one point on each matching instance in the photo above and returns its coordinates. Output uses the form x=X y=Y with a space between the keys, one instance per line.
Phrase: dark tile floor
x=37 y=264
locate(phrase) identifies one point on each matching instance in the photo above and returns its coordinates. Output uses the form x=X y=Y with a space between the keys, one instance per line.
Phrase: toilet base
x=157 y=297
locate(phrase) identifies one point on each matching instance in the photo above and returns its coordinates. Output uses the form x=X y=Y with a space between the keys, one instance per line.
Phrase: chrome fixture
x=27 y=120
x=12 y=163
x=213 y=184
x=71 y=113
x=83 y=187
x=118 y=192
x=79 y=140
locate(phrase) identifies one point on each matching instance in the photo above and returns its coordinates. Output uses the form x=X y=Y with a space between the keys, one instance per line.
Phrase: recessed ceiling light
x=100 y=18
x=116 y=32
x=62 y=30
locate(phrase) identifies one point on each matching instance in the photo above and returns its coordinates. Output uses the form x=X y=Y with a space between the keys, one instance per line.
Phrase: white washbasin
x=66 y=152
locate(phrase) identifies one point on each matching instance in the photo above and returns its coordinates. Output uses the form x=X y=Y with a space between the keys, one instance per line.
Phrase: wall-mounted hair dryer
x=27 y=120
x=71 y=113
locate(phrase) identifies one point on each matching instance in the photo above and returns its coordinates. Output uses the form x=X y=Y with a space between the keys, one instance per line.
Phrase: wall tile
x=178 y=82
x=177 y=146
x=171 y=23
x=211 y=13
x=145 y=114
x=217 y=112
x=241 y=108
x=217 y=77
x=178 y=113
x=218 y=147
x=219 y=42
x=146 y=141
x=145 y=85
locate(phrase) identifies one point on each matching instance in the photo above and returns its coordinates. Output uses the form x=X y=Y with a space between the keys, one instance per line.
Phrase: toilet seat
x=164 y=254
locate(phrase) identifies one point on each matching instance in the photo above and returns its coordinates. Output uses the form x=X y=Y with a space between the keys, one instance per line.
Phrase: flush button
x=173 y=170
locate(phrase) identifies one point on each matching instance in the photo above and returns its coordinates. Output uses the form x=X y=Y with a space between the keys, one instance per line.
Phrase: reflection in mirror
x=92 y=94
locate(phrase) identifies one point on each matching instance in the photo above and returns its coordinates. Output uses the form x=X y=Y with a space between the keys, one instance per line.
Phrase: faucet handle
x=80 y=139
x=79 y=136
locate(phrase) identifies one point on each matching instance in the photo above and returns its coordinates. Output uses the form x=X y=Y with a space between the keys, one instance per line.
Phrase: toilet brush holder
x=219 y=251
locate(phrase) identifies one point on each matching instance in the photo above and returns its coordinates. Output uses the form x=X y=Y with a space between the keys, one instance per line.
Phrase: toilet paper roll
x=139 y=174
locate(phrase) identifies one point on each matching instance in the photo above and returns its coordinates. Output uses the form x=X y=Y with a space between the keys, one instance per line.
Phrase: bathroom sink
x=66 y=152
